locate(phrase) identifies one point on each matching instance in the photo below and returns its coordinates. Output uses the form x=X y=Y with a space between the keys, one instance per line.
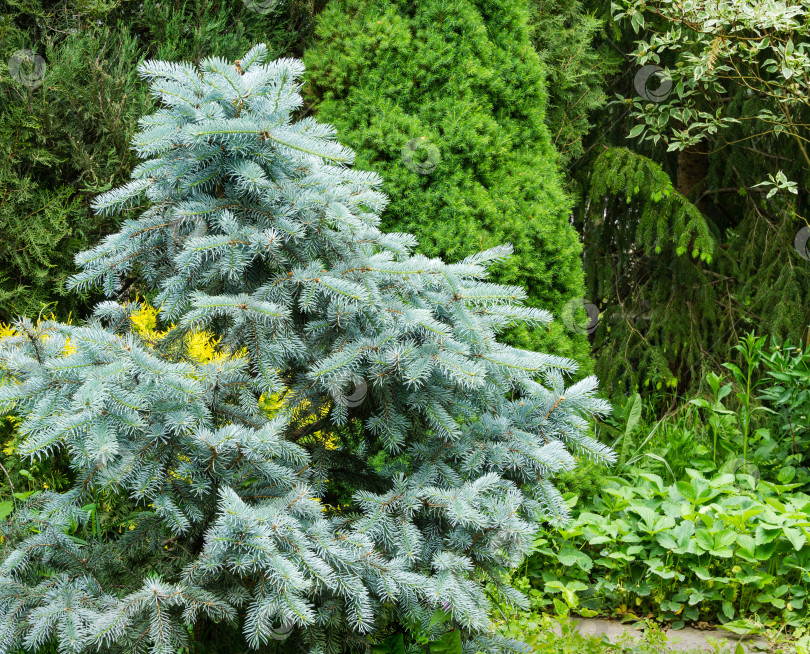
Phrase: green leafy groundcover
x=720 y=549
x=556 y=635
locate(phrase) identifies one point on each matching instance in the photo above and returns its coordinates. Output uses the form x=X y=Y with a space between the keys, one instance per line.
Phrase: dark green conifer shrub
x=69 y=104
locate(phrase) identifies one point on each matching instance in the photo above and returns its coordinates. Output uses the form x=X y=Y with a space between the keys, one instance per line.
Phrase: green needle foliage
x=66 y=122
x=446 y=99
x=254 y=227
x=576 y=68
x=685 y=248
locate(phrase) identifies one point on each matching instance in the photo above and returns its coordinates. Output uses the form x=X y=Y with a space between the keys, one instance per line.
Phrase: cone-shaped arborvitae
x=255 y=228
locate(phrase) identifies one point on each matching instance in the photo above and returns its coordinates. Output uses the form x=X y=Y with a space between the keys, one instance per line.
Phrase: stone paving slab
x=689 y=638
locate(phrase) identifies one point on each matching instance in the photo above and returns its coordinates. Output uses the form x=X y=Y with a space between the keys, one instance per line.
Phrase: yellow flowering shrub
x=300 y=416
x=9 y=445
x=144 y=320
x=201 y=346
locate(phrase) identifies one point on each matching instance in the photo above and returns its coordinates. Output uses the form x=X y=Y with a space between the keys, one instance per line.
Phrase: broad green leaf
x=704 y=539
x=686 y=490
x=795 y=536
x=741 y=627
x=448 y=643
x=666 y=540
x=724 y=538
x=438 y=617
x=723 y=552
x=766 y=533
x=569 y=556
x=394 y=644
x=654 y=479
x=721 y=480
x=638 y=129
x=747 y=547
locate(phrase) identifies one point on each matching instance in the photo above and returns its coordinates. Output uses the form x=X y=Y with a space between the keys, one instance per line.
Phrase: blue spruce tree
x=385 y=369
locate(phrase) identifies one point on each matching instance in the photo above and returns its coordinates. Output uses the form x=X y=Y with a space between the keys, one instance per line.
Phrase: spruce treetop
x=253 y=226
